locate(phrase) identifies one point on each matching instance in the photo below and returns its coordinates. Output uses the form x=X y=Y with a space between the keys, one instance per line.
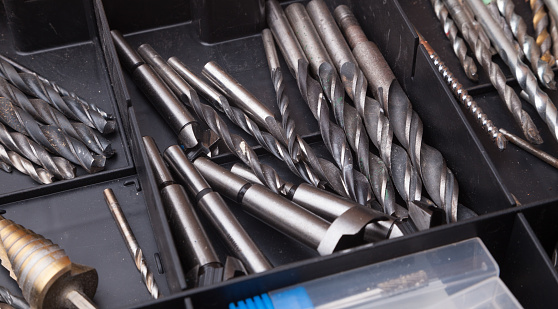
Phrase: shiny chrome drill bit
x=25 y=166
x=45 y=113
x=540 y=22
x=131 y=243
x=5 y=167
x=438 y=179
x=17 y=142
x=495 y=74
x=530 y=47
x=554 y=36
x=50 y=137
x=70 y=106
x=528 y=82
x=495 y=13
x=457 y=43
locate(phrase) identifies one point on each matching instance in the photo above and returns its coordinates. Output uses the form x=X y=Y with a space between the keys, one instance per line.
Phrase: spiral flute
x=554 y=35
x=25 y=166
x=530 y=47
x=495 y=13
x=70 y=106
x=540 y=22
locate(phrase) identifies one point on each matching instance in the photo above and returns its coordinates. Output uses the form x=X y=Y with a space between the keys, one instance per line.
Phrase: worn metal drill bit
x=50 y=137
x=530 y=47
x=68 y=105
x=131 y=243
x=495 y=13
x=7 y=297
x=540 y=23
x=45 y=113
x=528 y=82
x=554 y=36
x=25 y=166
x=457 y=43
x=516 y=140
x=438 y=179
x=495 y=74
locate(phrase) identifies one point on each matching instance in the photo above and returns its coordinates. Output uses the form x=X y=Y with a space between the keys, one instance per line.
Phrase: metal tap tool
x=169 y=107
x=216 y=210
x=131 y=243
x=43 y=271
x=540 y=23
x=25 y=166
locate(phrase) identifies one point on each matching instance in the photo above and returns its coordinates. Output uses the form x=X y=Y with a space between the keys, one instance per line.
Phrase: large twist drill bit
x=495 y=74
x=528 y=82
x=495 y=13
x=25 y=166
x=46 y=114
x=438 y=179
x=70 y=106
x=530 y=47
x=540 y=22
x=17 y=142
x=457 y=43
x=50 y=137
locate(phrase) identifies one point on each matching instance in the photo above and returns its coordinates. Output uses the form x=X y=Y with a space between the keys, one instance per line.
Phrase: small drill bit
x=21 y=144
x=43 y=112
x=540 y=22
x=131 y=243
x=495 y=13
x=530 y=47
x=50 y=137
x=554 y=36
x=495 y=74
x=530 y=149
x=70 y=106
x=9 y=298
x=25 y=166
x=459 y=46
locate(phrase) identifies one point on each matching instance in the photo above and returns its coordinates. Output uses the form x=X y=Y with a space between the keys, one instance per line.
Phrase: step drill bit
x=131 y=243
x=165 y=102
x=43 y=271
x=21 y=144
x=530 y=48
x=438 y=179
x=40 y=175
x=70 y=106
x=50 y=137
x=528 y=82
x=62 y=91
x=540 y=23
x=217 y=211
x=495 y=74
x=45 y=113
x=333 y=136
x=457 y=43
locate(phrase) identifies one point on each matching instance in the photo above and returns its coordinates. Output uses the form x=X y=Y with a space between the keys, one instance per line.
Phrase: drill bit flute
x=540 y=22
x=25 y=166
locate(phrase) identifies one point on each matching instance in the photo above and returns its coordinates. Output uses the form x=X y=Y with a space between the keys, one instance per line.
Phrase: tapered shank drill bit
x=457 y=43
x=25 y=166
x=495 y=74
x=528 y=82
x=438 y=179
x=50 y=137
x=45 y=113
x=68 y=105
x=540 y=22
x=131 y=243
x=530 y=47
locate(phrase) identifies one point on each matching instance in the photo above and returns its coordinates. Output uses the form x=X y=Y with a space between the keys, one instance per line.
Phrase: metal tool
x=528 y=82
x=457 y=43
x=530 y=48
x=131 y=243
x=551 y=160
x=501 y=21
x=70 y=106
x=9 y=298
x=169 y=107
x=21 y=144
x=214 y=207
x=495 y=74
x=25 y=166
x=540 y=23
x=43 y=271
x=438 y=179
x=554 y=36
x=45 y=113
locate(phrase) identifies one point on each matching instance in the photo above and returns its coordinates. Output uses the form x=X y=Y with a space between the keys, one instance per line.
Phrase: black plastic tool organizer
x=69 y=42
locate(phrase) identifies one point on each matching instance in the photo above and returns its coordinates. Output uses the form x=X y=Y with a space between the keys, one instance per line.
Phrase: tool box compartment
x=73 y=213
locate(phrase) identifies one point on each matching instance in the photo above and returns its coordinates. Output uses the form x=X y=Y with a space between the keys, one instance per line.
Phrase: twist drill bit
x=528 y=82
x=131 y=243
x=62 y=91
x=25 y=166
x=530 y=47
x=9 y=298
x=5 y=167
x=438 y=179
x=21 y=144
x=50 y=137
x=45 y=274
x=457 y=43
x=68 y=105
x=495 y=74
x=554 y=36
x=495 y=13
x=540 y=22
x=46 y=114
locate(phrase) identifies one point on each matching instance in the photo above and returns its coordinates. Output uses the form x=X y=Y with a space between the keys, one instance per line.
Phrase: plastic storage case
x=69 y=42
